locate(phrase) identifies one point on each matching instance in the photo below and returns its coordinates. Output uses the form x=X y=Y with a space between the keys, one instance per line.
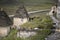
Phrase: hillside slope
x=27 y=2
x=10 y=6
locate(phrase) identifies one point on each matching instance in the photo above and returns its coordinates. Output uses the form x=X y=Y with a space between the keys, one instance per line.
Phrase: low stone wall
x=19 y=21
x=4 y=31
x=25 y=34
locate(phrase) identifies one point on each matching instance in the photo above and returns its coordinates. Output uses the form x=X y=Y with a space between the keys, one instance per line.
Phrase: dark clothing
x=54 y=14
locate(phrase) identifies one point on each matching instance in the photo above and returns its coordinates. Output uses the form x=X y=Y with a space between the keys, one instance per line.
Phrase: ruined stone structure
x=5 y=23
x=58 y=9
x=58 y=12
x=21 y=16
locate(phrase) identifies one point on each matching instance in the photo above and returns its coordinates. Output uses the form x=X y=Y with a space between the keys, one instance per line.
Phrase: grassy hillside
x=10 y=6
x=26 y=2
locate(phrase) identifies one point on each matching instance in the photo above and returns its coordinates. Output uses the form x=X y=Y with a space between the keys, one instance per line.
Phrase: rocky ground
x=55 y=36
x=25 y=34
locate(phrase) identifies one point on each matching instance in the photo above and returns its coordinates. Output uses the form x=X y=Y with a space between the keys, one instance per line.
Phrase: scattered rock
x=25 y=34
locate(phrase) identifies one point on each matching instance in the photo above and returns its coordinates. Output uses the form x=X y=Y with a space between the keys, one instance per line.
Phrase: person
x=54 y=11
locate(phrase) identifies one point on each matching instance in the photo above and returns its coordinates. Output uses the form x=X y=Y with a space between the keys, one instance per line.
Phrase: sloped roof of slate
x=21 y=12
x=4 y=19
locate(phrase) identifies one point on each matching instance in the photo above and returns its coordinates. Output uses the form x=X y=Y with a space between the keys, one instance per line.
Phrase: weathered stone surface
x=19 y=21
x=58 y=9
x=25 y=34
x=5 y=23
x=4 y=19
x=21 y=16
x=4 y=31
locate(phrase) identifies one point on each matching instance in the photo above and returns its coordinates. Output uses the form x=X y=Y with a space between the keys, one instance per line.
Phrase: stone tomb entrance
x=5 y=23
x=21 y=16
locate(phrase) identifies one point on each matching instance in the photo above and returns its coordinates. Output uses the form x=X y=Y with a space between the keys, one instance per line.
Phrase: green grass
x=38 y=7
x=30 y=5
x=38 y=21
x=11 y=36
x=12 y=9
x=44 y=22
x=32 y=2
x=41 y=35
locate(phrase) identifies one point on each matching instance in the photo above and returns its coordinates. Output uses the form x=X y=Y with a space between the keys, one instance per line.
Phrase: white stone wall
x=19 y=21
x=25 y=34
x=4 y=31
